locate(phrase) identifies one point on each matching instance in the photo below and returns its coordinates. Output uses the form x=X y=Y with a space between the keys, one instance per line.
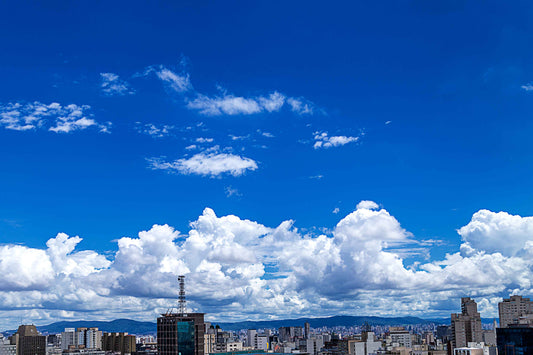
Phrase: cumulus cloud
x=112 y=85
x=322 y=140
x=53 y=117
x=499 y=232
x=369 y=205
x=241 y=269
x=207 y=163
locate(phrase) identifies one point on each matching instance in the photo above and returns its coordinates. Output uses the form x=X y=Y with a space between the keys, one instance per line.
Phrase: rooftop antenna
x=181 y=298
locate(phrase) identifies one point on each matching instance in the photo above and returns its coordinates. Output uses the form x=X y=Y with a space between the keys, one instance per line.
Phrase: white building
x=400 y=337
x=262 y=342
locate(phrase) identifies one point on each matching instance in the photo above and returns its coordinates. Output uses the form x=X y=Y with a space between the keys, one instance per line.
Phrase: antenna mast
x=182 y=308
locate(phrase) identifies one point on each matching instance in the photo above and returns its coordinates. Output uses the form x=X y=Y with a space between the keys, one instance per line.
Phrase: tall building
x=29 y=341
x=290 y=333
x=466 y=326
x=119 y=343
x=515 y=340
x=513 y=308
x=307 y=329
x=180 y=334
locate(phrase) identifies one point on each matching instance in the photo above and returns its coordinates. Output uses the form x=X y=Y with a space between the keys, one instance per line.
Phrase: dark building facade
x=29 y=341
x=180 y=334
x=515 y=340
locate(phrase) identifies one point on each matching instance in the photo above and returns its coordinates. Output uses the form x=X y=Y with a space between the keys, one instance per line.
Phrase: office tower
x=307 y=328
x=181 y=333
x=513 y=308
x=514 y=340
x=466 y=326
x=29 y=341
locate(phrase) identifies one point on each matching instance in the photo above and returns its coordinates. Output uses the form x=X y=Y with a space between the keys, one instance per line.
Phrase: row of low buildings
x=81 y=341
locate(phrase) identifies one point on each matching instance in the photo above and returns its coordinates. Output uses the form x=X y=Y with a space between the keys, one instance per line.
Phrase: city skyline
x=291 y=159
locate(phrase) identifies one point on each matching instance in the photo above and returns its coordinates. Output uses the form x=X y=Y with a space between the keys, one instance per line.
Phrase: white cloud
x=207 y=163
x=54 y=117
x=336 y=210
x=235 y=105
x=241 y=269
x=322 y=140
x=179 y=83
x=301 y=106
x=527 y=87
x=230 y=191
x=499 y=232
x=204 y=140
x=153 y=130
x=226 y=103
x=112 y=85
x=369 y=205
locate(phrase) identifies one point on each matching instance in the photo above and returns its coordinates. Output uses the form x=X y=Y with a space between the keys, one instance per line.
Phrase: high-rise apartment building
x=180 y=334
x=466 y=326
x=512 y=308
x=119 y=343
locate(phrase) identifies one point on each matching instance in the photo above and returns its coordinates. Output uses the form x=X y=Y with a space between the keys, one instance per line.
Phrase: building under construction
x=180 y=333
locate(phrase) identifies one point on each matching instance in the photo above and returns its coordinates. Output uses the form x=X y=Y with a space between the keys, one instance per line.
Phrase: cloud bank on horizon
x=240 y=269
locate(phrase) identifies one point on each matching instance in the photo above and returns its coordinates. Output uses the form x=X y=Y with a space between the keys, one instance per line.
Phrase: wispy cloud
x=207 y=163
x=226 y=103
x=230 y=191
x=112 y=85
x=229 y=104
x=179 y=83
x=322 y=140
x=301 y=106
x=527 y=87
x=153 y=130
x=53 y=117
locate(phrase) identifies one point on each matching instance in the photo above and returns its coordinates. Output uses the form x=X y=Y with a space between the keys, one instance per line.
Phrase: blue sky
x=116 y=117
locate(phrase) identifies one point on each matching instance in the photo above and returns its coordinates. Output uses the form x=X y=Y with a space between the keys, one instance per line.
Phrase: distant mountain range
x=139 y=328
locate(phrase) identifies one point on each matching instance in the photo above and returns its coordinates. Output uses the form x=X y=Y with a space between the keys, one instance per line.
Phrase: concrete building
x=290 y=333
x=119 y=343
x=400 y=337
x=513 y=308
x=180 y=334
x=307 y=330
x=209 y=343
x=251 y=338
x=263 y=342
x=312 y=345
x=67 y=338
x=466 y=326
